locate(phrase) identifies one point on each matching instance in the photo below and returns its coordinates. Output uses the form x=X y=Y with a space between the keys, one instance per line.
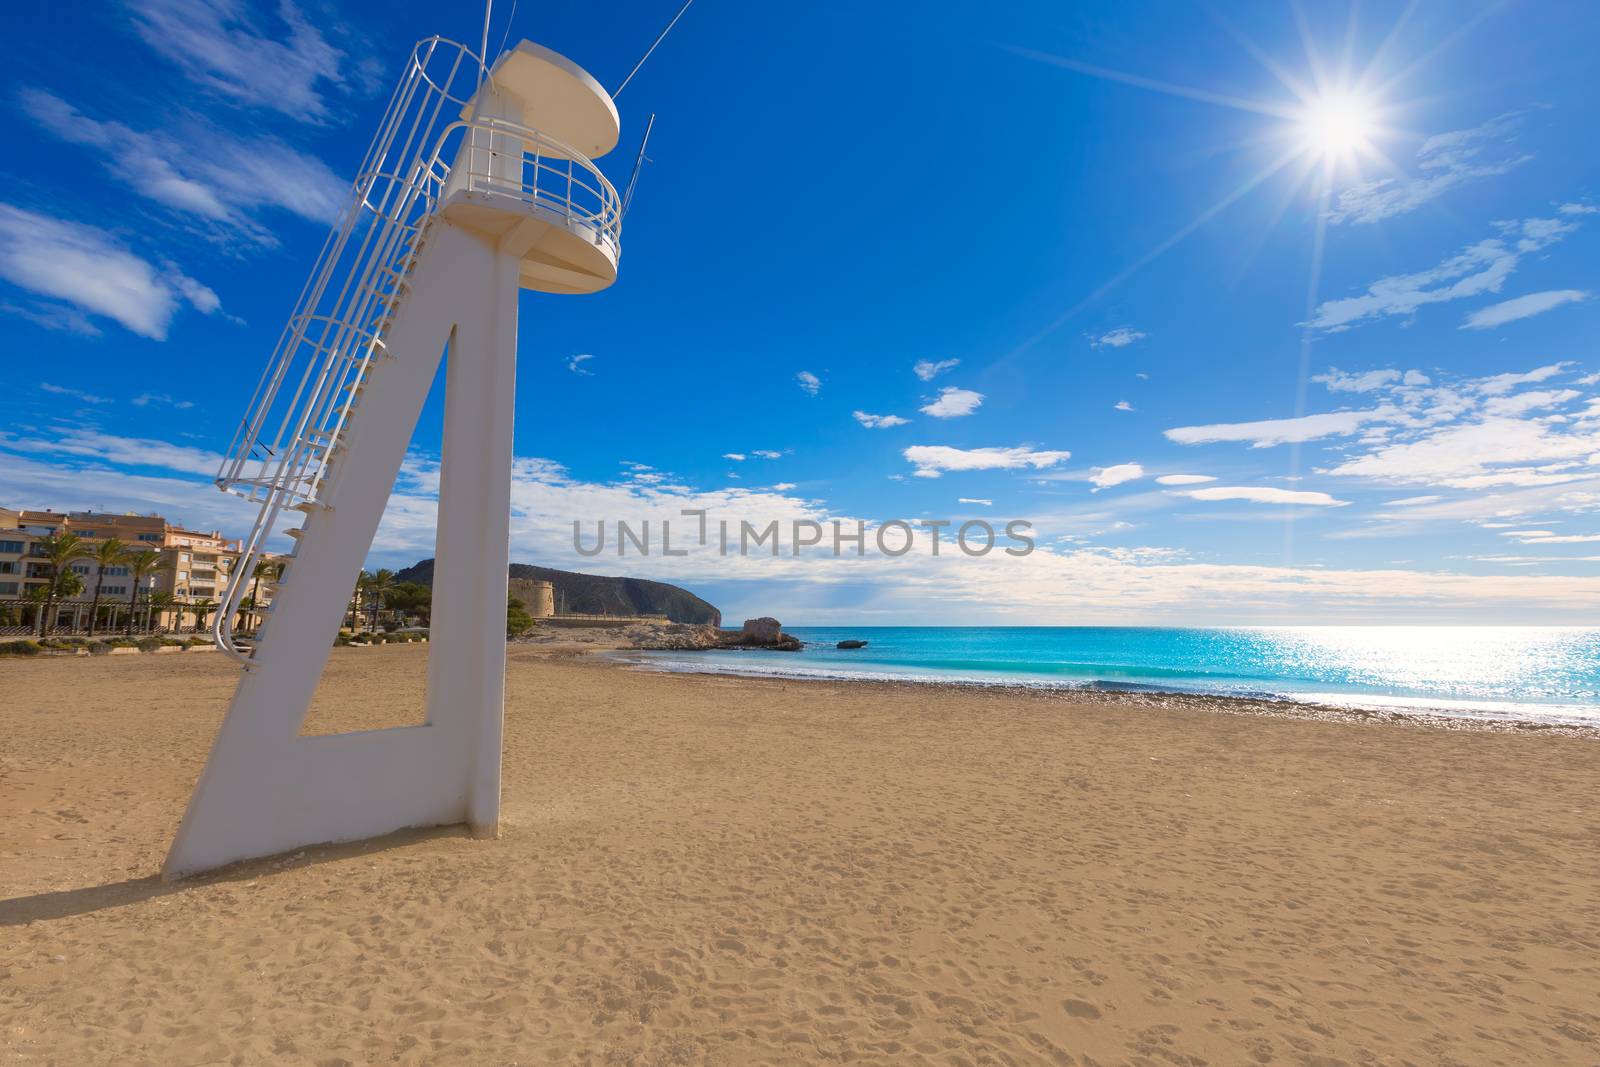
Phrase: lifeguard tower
x=479 y=183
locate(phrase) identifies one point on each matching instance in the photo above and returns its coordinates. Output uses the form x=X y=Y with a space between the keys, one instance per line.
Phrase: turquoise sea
x=1544 y=674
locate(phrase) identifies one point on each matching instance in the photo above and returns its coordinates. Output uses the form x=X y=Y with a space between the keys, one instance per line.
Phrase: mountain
x=594 y=594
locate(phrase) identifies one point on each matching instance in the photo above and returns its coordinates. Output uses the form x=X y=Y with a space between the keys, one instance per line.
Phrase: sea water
x=1543 y=674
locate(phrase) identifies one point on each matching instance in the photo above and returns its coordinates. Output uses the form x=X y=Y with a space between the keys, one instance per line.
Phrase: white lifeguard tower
x=476 y=186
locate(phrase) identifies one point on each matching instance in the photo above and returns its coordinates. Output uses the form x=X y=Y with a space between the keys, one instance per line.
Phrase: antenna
x=638 y=164
x=483 y=49
x=662 y=37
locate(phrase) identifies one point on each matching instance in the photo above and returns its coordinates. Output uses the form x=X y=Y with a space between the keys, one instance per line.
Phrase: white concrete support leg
x=265 y=788
x=467 y=662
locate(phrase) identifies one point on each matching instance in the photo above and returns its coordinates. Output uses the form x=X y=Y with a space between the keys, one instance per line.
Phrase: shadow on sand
x=42 y=907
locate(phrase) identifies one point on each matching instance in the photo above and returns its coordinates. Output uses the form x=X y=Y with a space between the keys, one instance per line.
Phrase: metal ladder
x=285 y=450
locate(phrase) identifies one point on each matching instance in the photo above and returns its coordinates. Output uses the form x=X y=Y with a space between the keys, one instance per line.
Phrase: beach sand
x=713 y=870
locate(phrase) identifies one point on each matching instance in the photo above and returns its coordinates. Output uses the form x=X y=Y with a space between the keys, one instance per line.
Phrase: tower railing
x=284 y=451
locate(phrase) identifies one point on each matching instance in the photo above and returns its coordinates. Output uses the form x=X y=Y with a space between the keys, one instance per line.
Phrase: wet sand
x=701 y=869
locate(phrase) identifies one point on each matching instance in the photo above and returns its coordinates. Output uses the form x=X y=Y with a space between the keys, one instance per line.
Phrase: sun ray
x=1145 y=260
x=1206 y=96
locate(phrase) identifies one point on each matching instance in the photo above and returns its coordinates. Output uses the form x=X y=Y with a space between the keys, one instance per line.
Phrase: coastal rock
x=851 y=644
x=763 y=631
x=676 y=638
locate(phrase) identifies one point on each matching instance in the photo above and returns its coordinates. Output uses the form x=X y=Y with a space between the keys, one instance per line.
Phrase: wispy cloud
x=928 y=370
x=809 y=382
x=114 y=448
x=76 y=394
x=1122 y=405
x=1120 y=337
x=82 y=266
x=221 y=45
x=1481 y=268
x=933 y=460
x=1263 y=494
x=878 y=422
x=1521 y=307
x=981 y=502
x=1106 y=477
x=1184 y=479
x=953 y=403
x=1444 y=161
x=576 y=364
x=201 y=171
x=146 y=399
x=1265 y=433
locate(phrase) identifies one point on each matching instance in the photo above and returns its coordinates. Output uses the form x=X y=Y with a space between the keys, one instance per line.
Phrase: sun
x=1337 y=125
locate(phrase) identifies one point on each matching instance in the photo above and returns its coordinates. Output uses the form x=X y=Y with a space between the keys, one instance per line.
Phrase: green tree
x=161 y=601
x=107 y=554
x=202 y=608
x=141 y=565
x=358 y=597
x=60 y=551
x=412 y=598
x=271 y=570
x=518 y=620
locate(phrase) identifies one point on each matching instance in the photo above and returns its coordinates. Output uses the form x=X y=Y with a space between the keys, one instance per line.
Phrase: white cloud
x=81 y=265
x=1578 y=209
x=1533 y=400
x=1268 y=432
x=77 y=394
x=1495 y=450
x=1122 y=405
x=576 y=364
x=932 y=460
x=1338 y=381
x=1500 y=384
x=782 y=487
x=1106 y=477
x=1120 y=337
x=952 y=403
x=809 y=382
x=766 y=453
x=980 y=501
x=928 y=370
x=112 y=448
x=1184 y=479
x=737 y=457
x=1414 y=501
x=218 y=44
x=1445 y=161
x=1521 y=307
x=1549 y=537
x=1262 y=494
x=203 y=172
x=146 y=399
x=878 y=422
x=1481 y=268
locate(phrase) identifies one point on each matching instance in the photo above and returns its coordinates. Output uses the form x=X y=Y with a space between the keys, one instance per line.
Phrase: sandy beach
x=732 y=871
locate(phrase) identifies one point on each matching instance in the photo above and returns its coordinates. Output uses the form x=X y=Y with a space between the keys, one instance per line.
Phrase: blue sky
x=1092 y=268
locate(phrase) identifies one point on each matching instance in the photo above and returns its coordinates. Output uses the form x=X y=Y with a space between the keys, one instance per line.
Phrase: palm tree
x=201 y=609
x=271 y=570
x=161 y=601
x=357 y=596
x=378 y=586
x=59 y=550
x=141 y=565
x=107 y=554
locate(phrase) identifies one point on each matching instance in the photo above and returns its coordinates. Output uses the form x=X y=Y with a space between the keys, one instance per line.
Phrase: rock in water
x=763 y=631
x=851 y=644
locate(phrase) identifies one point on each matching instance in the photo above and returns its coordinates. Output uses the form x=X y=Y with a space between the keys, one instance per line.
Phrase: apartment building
x=196 y=572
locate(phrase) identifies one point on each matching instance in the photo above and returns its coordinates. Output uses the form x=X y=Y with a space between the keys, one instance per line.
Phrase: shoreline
x=1146 y=697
